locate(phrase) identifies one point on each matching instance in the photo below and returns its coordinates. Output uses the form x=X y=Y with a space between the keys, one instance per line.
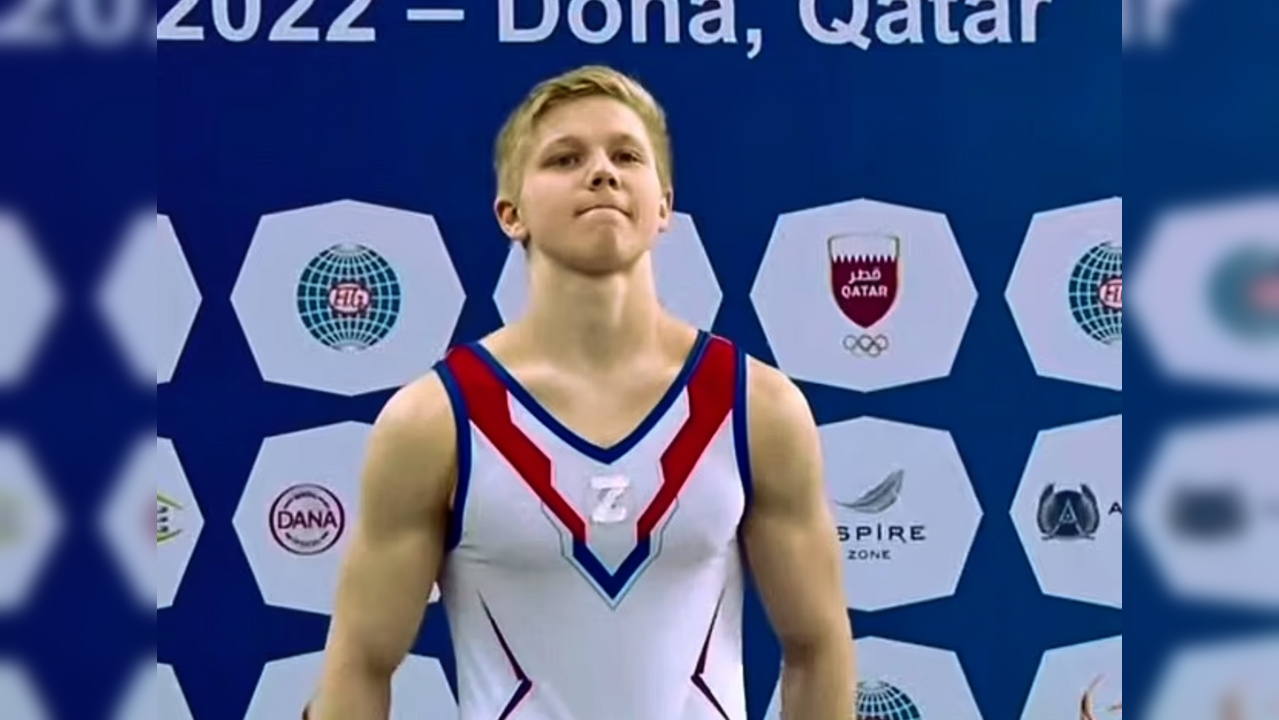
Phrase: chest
x=535 y=500
x=602 y=411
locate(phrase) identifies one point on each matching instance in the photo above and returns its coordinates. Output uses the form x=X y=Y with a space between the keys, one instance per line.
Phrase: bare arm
x=794 y=553
x=395 y=553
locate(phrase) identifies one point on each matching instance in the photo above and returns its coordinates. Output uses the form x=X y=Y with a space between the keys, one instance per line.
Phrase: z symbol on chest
x=607 y=495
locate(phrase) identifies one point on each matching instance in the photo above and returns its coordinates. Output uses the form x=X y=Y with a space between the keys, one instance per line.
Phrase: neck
x=592 y=322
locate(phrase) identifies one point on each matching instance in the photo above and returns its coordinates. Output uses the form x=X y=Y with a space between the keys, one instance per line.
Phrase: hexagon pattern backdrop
x=350 y=298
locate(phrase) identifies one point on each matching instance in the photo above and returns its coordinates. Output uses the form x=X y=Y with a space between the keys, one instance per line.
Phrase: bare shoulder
x=776 y=406
x=783 y=433
x=421 y=409
x=412 y=449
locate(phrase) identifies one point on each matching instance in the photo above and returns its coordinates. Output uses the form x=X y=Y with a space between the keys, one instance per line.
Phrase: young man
x=580 y=479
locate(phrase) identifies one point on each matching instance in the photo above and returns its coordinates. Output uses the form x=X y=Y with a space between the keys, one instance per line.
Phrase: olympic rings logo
x=866 y=345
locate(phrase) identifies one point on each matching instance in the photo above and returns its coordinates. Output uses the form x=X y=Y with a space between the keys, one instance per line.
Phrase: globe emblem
x=877 y=700
x=349 y=297
x=1096 y=293
x=1244 y=292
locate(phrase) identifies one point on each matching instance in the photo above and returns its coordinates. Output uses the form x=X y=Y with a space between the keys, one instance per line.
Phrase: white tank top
x=589 y=583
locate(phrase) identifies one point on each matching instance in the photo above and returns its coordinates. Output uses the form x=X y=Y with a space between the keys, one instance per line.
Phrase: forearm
x=819 y=683
x=352 y=695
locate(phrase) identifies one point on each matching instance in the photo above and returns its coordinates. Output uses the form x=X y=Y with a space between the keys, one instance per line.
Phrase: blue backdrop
x=987 y=134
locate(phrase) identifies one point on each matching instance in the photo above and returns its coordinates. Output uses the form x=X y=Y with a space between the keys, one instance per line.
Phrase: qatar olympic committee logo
x=1096 y=293
x=307 y=519
x=349 y=297
x=865 y=275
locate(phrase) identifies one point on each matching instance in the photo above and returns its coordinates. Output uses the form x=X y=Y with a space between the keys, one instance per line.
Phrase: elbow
x=808 y=649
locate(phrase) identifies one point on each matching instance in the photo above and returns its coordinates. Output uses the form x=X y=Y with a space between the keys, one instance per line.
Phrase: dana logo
x=349 y=297
x=307 y=519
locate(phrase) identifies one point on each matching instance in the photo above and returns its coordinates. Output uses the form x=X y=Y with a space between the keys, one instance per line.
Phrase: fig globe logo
x=1244 y=291
x=307 y=519
x=349 y=297
x=865 y=276
x=878 y=700
x=1096 y=293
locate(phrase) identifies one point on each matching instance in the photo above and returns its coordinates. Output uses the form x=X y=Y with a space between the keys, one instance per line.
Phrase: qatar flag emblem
x=865 y=275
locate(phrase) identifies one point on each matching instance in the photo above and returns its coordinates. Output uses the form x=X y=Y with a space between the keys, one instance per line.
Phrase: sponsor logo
x=1096 y=293
x=876 y=540
x=349 y=298
x=865 y=275
x=166 y=526
x=307 y=519
x=878 y=699
x=1208 y=512
x=1071 y=514
x=1244 y=293
x=1088 y=705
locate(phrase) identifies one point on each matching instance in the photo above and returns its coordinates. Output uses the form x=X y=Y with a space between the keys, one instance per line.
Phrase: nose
x=603 y=174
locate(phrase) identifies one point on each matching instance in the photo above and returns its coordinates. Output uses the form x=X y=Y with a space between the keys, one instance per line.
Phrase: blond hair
x=511 y=151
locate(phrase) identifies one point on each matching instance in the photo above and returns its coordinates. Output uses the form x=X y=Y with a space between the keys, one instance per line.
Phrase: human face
x=591 y=200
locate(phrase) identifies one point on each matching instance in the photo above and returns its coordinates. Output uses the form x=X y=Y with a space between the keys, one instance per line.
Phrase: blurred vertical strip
x=1200 y=111
x=77 y=167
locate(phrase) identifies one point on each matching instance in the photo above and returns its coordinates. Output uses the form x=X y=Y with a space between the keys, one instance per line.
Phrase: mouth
x=597 y=208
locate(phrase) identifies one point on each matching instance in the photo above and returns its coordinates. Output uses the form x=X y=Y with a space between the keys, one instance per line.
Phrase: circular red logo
x=350 y=298
x=307 y=519
x=1111 y=294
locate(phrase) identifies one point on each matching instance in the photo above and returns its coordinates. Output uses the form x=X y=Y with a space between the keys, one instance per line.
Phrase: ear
x=666 y=210
x=508 y=217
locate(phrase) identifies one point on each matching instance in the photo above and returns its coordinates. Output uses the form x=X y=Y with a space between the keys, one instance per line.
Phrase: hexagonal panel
x=1089 y=675
x=864 y=295
x=153 y=572
x=914 y=680
x=296 y=510
x=29 y=296
x=686 y=283
x=153 y=693
x=18 y=695
x=1207 y=293
x=904 y=510
x=419 y=689
x=30 y=525
x=347 y=298
x=149 y=298
x=1069 y=511
x=1209 y=511
x=1230 y=679
x=1066 y=293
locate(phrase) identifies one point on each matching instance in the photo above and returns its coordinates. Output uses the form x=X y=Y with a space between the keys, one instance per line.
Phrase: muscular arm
x=394 y=556
x=794 y=554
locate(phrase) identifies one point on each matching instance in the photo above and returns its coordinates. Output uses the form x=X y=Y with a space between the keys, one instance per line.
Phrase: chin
x=600 y=256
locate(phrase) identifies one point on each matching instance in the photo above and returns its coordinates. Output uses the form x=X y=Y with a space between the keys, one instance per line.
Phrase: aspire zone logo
x=307 y=519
